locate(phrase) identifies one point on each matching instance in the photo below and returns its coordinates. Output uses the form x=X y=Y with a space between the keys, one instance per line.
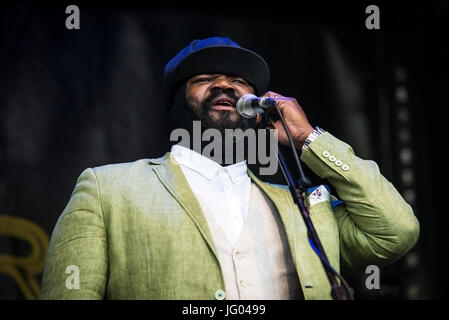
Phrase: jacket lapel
x=312 y=276
x=171 y=176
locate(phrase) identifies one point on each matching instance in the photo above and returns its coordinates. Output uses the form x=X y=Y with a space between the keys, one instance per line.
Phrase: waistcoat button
x=220 y=294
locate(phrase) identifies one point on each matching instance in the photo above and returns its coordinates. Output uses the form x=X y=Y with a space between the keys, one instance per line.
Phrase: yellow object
x=24 y=269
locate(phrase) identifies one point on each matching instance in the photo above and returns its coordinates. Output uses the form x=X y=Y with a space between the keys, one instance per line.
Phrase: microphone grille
x=244 y=107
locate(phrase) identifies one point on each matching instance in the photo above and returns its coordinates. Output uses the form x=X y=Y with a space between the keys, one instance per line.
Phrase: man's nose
x=222 y=83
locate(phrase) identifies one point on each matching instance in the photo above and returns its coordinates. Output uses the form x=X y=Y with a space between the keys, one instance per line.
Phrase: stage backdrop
x=73 y=99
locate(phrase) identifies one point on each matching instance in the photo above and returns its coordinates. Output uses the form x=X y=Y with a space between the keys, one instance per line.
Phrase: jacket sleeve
x=76 y=264
x=376 y=226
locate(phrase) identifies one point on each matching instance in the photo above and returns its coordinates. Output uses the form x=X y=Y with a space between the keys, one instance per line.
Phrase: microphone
x=249 y=105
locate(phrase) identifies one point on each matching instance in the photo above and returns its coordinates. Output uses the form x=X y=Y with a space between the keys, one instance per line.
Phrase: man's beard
x=227 y=126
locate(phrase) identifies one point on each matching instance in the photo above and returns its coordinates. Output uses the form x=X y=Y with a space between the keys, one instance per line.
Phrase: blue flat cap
x=215 y=55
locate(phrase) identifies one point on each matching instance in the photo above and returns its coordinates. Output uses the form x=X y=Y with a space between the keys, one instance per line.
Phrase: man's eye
x=203 y=80
x=239 y=81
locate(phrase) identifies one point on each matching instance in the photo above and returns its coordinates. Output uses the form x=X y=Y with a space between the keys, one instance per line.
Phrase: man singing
x=185 y=226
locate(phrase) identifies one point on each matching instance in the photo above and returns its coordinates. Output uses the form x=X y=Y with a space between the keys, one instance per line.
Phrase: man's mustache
x=216 y=92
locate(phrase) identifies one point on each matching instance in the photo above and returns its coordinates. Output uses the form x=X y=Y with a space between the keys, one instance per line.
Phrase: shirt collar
x=207 y=167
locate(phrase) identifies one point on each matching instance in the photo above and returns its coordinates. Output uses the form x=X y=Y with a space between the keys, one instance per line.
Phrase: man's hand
x=295 y=118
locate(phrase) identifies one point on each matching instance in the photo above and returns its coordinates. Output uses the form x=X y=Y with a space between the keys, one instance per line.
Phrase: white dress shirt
x=226 y=190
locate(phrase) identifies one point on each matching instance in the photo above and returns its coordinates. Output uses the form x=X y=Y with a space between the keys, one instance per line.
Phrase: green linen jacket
x=136 y=231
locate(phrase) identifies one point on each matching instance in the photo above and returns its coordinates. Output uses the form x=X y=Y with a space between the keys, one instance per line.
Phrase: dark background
x=72 y=99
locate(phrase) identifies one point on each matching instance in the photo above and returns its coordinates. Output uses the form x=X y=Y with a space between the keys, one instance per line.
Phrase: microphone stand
x=297 y=187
